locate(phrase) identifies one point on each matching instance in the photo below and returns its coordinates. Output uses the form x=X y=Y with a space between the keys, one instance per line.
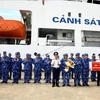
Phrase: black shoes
x=26 y=82
x=87 y=85
x=15 y=82
x=36 y=82
x=93 y=80
x=79 y=85
x=75 y=85
x=63 y=85
x=83 y=84
x=48 y=82
x=10 y=79
x=68 y=85
x=53 y=85
x=4 y=82
x=57 y=85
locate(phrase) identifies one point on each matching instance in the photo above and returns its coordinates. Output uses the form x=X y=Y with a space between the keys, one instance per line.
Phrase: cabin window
x=55 y=37
x=69 y=14
x=90 y=38
x=94 y=1
x=63 y=34
x=24 y=16
x=79 y=15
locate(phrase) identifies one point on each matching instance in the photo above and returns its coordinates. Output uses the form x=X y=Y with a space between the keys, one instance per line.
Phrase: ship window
x=90 y=38
x=24 y=16
x=63 y=34
x=79 y=15
x=69 y=14
x=94 y=1
x=55 y=37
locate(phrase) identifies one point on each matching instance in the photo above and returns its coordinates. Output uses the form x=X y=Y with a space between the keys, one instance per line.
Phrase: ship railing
x=60 y=43
x=91 y=39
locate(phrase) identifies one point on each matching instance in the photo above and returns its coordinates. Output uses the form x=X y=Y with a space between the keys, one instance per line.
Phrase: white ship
x=63 y=26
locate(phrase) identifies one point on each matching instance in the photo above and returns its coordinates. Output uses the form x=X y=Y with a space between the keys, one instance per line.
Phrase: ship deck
x=44 y=91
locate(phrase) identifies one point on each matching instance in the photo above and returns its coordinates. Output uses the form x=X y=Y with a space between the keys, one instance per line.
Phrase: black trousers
x=56 y=74
x=10 y=73
x=98 y=78
x=31 y=74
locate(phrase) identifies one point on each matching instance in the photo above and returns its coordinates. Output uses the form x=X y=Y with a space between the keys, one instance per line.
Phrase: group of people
x=10 y=68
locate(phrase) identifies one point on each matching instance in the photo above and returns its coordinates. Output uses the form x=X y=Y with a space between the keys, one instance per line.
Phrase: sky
x=11 y=14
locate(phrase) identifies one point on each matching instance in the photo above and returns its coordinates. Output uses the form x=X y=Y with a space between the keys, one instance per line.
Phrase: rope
x=53 y=50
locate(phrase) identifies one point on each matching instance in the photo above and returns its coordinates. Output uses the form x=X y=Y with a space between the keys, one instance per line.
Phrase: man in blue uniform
x=27 y=68
x=71 y=69
x=62 y=67
x=77 y=70
x=86 y=61
x=71 y=57
x=0 y=67
x=82 y=74
x=16 y=67
x=20 y=68
x=98 y=57
x=44 y=67
x=66 y=75
x=35 y=53
x=10 y=66
x=4 y=62
x=47 y=64
x=31 y=66
x=83 y=56
x=37 y=68
x=93 y=73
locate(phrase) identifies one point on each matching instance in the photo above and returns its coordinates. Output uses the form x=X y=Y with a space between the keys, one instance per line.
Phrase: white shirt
x=56 y=62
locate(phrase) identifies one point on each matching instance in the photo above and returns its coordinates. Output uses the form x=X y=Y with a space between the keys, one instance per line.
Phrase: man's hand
x=26 y=60
x=15 y=59
x=2 y=60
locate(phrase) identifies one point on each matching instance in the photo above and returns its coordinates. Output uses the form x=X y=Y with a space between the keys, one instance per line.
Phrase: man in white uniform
x=98 y=60
x=56 y=70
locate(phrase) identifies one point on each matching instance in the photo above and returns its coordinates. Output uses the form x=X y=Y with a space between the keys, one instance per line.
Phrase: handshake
x=48 y=62
x=78 y=62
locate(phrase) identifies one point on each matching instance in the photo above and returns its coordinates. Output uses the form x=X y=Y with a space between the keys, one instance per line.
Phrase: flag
x=43 y=2
x=94 y=66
